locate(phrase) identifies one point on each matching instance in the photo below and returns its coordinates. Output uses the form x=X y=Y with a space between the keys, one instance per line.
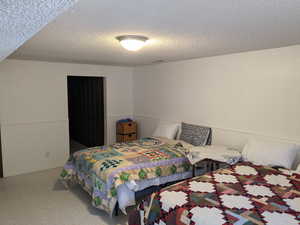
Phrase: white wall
x=248 y=93
x=253 y=93
x=34 y=114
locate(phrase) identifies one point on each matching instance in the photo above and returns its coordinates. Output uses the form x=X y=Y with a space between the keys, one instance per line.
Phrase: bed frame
x=205 y=166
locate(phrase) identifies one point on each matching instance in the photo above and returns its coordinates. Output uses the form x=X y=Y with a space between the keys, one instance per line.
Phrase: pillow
x=178 y=133
x=269 y=153
x=194 y=134
x=166 y=130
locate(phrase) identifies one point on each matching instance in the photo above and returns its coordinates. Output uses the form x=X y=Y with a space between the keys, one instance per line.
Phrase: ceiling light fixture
x=132 y=42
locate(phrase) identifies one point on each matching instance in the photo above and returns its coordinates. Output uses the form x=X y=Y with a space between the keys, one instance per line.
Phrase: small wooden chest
x=126 y=131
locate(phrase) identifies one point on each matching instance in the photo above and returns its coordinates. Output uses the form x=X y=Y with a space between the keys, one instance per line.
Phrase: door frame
x=104 y=102
x=1 y=158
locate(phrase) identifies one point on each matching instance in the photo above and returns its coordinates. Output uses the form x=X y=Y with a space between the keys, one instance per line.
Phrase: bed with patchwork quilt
x=102 y=170
x=243 y=194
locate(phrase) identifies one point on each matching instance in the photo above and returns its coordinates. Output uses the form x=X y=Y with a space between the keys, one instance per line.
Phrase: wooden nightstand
x=126 y=131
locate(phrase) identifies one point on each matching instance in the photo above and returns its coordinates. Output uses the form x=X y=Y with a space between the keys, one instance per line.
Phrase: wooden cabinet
x=126 y=137
x=126 y=131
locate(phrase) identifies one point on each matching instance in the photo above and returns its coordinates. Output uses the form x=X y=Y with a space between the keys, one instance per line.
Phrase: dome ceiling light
x=132 y=42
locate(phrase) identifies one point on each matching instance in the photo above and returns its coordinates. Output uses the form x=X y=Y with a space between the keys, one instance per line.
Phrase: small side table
x=208 y=165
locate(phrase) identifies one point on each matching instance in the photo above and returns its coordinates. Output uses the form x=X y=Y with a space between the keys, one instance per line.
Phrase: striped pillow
x=194 y=134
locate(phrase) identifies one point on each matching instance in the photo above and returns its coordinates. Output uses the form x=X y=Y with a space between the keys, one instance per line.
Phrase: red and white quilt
x=242 y=194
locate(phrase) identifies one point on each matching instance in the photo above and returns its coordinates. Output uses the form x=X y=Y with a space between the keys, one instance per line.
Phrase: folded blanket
x=213 y=152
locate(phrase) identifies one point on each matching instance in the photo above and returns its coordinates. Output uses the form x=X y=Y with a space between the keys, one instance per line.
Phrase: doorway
x=86 y=112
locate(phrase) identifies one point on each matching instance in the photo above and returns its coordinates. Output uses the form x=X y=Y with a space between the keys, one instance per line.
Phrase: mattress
x=126 y=192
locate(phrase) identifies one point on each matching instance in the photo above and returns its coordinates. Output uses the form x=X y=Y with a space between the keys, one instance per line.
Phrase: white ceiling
x=178 y=29
x=21 y=19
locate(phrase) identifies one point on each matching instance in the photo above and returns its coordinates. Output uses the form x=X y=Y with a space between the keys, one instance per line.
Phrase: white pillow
x=178 y=133
x=166 y=130
x=269 y=153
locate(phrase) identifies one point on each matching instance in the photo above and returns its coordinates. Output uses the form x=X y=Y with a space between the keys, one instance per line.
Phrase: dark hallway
x=86 y=111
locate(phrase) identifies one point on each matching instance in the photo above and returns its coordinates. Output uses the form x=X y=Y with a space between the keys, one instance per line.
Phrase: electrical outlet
x=47 y=154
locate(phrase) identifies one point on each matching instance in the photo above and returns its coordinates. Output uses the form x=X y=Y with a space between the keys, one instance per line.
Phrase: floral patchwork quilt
x=242 y=194
x=100 y=170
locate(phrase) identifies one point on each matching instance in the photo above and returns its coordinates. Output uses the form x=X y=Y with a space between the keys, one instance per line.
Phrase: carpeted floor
x=39 y=199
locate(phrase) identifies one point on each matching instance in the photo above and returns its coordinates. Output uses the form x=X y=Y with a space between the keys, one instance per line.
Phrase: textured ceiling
x=177 y=30
x=21 y=19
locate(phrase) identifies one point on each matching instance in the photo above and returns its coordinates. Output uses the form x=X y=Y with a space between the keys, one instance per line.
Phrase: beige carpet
x=39 y=199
